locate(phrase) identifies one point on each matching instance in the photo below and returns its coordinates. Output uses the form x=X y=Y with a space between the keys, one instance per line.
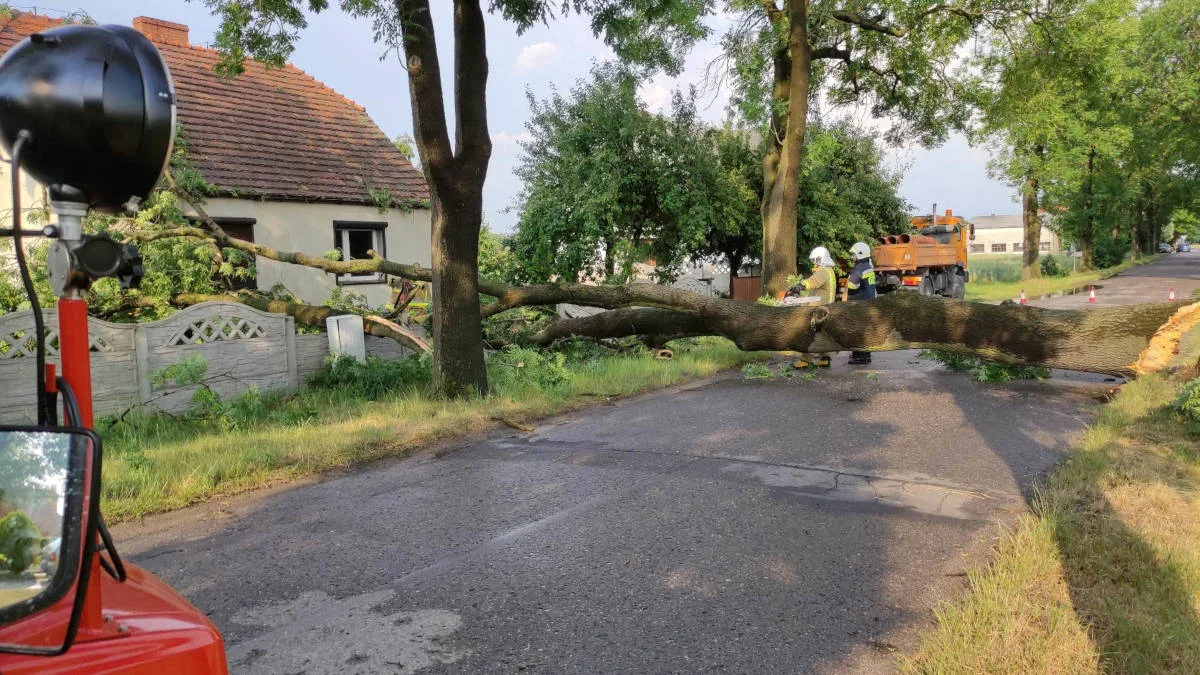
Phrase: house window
x=353 y=239
x=1017 y=247
x=1044 y=246
x=999 y=248
x=977 y=248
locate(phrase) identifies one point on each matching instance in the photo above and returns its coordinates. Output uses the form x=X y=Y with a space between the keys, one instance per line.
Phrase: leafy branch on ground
x=984 y=370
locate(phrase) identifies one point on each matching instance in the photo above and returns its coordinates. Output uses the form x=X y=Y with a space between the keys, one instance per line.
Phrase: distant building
x=1006 y=235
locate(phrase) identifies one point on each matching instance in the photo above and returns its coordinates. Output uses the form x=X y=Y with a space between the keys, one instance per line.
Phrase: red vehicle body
x=139 y=625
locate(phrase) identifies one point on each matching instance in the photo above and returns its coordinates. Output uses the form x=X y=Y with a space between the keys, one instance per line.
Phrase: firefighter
x=822 y=284
x=860 y=285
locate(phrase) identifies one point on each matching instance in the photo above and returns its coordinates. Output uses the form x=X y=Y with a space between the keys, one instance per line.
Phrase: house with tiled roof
x=296 y=165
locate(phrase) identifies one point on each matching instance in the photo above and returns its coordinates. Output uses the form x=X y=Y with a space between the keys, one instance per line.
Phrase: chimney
x=162 y=32
x=949 y=213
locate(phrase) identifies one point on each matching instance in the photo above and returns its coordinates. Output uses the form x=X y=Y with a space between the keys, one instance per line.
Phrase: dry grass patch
x=1105 y=574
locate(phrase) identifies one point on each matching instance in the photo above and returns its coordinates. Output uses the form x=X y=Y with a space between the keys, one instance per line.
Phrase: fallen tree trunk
x=312 y=315
x=1110 y=341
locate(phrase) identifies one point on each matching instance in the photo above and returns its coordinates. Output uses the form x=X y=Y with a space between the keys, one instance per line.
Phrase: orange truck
x=931 y=260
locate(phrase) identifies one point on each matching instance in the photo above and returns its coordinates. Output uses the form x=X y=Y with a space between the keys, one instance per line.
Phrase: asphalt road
x=788 y=525
x=784 y=525
x=1147 y=283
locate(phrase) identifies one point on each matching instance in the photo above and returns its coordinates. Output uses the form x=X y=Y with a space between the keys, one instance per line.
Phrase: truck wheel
x=926 y=287
x=958 y=287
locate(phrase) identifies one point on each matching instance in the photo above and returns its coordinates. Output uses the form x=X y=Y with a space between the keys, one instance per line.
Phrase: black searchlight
x=98 y=104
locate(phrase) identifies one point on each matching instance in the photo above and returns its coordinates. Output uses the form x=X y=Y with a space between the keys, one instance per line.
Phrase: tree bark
x=1033 y=229
x=781 y=166
x=1109 y=341
x=735 y=263
x=455 y=185
x=1087 y=235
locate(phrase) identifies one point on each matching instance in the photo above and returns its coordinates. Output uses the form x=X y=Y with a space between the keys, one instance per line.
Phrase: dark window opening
x=354 y=240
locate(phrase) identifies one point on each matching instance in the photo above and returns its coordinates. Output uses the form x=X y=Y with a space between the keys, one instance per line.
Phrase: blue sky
x=337 y=50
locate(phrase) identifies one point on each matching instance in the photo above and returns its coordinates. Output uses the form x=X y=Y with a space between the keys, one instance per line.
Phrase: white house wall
x=308 y=228
x=32 y=197
x=1009 y=236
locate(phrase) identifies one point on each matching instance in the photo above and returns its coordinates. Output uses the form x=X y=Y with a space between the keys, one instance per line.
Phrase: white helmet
x=860 y=251
x=820 y=256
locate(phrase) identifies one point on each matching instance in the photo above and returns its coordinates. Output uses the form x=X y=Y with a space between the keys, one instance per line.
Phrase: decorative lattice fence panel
x=243 y=347
x=116 y=378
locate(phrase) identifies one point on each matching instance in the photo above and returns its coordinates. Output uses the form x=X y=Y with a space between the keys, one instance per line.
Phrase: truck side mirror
x=48 y=514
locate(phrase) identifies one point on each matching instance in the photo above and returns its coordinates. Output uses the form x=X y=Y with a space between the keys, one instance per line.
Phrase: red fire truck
x=89 y=112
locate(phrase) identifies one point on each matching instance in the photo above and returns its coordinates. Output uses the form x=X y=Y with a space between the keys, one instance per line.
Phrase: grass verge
x=982 y=291
x=157 y=463
x=1104 y=575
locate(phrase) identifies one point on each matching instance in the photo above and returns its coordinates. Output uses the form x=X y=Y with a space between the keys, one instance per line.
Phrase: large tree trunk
x=1033 y=229
x=458 y=364
x=455 y=181
x=1135 y=233
x=1087 y=235
x=781 y=166
x=1111 y=341
x=735 y=263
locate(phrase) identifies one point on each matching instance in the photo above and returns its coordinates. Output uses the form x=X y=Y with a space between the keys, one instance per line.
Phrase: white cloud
x=656 y=94
x=507 y=138
x=537 y=55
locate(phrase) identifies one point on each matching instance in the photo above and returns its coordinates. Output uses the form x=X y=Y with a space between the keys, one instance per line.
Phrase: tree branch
x=424 y=82
x=473 y=144
x=830 y=53
x=872 y=24
x=1111 y=341
x=311 y=315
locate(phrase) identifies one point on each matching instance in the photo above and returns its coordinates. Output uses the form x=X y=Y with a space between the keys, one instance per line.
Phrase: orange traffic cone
x=1171 y=296
x=1022 y=300
x=1092 y=295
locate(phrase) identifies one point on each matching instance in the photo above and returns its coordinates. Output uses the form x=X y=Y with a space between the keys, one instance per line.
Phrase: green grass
x=995 y=280
x=158 y=463
x=1104 y=575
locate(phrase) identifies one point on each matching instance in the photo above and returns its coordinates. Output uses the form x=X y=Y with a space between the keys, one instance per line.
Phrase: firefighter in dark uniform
x=860 y=285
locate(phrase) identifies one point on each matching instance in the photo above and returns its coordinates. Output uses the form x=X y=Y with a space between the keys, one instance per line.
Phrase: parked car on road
x=1164 y=247
x=1184 y=248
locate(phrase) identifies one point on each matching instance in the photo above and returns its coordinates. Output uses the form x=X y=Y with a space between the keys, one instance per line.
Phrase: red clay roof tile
x=270 y=133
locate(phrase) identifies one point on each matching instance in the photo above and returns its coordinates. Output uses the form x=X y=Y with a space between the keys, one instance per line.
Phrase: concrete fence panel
x=243 y=347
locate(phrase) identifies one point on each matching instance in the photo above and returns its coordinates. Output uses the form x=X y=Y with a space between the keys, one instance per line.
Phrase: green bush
x=516 y=326
x=1051 y=267
x=952 y=360
x=756 y=371
x=990 y=371
x=515 y=368
x=373 y=379
x=985 y=371
x=1187 y=404
x=19 y=542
